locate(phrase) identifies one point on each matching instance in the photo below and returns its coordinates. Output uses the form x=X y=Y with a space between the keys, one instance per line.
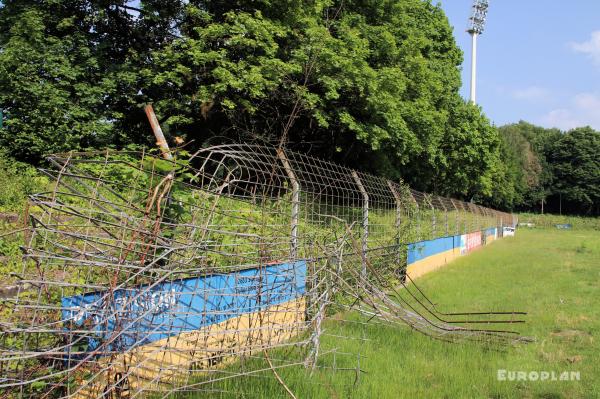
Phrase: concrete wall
x=426 y=256
x=155 y=334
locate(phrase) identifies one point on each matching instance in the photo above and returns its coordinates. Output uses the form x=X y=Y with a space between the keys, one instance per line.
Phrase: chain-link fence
x=144 y=276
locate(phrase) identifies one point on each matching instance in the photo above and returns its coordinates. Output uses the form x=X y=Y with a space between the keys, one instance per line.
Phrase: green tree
x=575 y=161
x=372 y=84
x=51 y=90
x=468 y=162
x=69 y=71
x=525 y=149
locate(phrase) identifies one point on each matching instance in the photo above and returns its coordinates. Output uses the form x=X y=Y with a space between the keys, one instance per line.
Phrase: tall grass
x=544 y=272
x=17 y=180
x=549 y=220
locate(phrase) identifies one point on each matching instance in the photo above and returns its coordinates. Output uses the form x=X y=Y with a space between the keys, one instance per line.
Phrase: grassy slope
x=554 y=275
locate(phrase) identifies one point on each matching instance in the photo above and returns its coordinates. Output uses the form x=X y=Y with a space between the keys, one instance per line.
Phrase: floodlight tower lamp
x=476 y=26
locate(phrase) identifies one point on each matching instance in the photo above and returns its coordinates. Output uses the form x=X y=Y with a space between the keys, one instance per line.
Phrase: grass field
x=554 y=275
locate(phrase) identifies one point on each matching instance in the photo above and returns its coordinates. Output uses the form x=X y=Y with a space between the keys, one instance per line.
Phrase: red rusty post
x=161 y=142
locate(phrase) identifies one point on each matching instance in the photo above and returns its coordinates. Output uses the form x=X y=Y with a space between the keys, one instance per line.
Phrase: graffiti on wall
x=158 y=326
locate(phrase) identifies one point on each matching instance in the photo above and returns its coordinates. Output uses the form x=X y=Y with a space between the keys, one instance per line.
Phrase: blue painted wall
x=423 y=249
x=136 y=316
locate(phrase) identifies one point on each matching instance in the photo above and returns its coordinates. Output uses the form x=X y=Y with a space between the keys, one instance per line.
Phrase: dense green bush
x=17 y=180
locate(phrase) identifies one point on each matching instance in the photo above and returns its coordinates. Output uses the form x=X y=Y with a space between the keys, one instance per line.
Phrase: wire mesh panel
x=144 y=276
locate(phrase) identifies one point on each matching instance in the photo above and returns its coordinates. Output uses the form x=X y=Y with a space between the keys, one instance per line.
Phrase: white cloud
x=561 y=118
x=590 y=47
x=531 y=93
x=583 y=110
x=588 y=101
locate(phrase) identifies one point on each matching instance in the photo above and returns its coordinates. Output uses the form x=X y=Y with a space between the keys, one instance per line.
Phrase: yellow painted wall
x=431 y=263
x=434 y=262
x=167 y=362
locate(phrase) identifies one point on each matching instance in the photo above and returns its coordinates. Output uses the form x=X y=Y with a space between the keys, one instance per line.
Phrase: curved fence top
x=250 y=165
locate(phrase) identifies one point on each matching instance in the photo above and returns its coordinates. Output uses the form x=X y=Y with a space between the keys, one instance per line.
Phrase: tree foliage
x=69 y=72
x=575 y=161
x=561 y=169
x=51 y=88
x=526 y=171
x=369 y=83
x=373 y=84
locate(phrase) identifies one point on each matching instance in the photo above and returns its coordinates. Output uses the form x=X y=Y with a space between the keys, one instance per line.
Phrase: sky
x=538 y=60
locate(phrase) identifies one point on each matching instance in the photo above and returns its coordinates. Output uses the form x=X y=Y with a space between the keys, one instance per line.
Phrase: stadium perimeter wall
x=429 y=255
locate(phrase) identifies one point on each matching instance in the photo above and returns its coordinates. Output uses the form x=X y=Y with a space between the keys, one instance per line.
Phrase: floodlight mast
x=476 y=26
